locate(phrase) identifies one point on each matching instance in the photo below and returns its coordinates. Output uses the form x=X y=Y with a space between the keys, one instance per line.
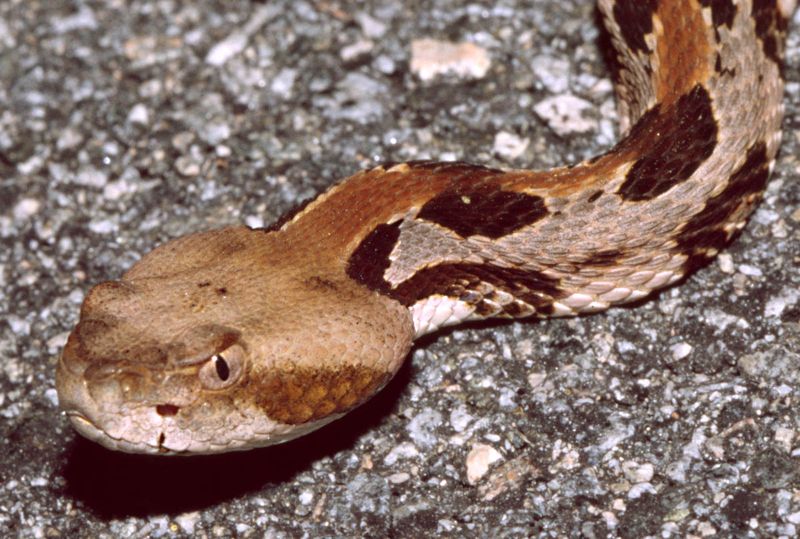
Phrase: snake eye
x=222 y=369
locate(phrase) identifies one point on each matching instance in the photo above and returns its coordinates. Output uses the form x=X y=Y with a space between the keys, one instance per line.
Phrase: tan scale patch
x=683 y=63
x=299 y=395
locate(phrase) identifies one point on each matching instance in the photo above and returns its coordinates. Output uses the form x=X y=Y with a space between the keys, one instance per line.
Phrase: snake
x=240 y=337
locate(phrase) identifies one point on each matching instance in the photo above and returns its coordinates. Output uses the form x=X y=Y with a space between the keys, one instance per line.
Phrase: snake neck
x=454 y=241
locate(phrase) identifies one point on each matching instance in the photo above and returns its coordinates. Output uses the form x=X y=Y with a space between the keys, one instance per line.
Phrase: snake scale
x=238 y=338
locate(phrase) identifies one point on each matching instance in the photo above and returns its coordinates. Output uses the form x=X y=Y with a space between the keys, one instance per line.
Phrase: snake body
x=239 y=337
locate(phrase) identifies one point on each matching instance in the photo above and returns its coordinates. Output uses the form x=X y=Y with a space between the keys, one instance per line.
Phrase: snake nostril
x=167 y=410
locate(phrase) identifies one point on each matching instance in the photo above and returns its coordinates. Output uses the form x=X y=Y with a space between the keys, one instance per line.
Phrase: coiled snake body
x=238 y=338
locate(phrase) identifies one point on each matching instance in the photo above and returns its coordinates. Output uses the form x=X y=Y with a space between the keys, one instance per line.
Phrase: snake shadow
x=111 y=484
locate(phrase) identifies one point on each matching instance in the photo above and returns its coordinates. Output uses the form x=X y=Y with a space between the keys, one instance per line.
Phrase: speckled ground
x=126 y=123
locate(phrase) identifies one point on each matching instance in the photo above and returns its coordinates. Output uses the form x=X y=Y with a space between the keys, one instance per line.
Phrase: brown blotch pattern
x=295 y=395
x=468 y=283
x=770 y=28
x=483 y=210
x=635 y=20
x=370 y=259
x=607 y=258
x=704 y=231
x=723 y=70
x=722 y=12
x=681 y=139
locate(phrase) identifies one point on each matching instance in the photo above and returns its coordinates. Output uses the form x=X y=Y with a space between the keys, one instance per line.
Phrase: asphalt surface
x=125 y=124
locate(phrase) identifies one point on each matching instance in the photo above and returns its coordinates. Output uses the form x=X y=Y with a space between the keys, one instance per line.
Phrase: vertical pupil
x=223 y=371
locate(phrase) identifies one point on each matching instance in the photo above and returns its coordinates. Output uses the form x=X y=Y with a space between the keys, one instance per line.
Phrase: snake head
x=220 y=341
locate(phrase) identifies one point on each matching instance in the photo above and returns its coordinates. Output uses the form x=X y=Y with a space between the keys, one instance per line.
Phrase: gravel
x=124 y=124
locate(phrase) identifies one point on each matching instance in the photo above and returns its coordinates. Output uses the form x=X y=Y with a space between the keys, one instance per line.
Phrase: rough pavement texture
x=126 y=123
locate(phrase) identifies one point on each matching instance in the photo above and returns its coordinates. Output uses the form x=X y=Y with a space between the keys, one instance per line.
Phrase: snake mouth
x=89 y=430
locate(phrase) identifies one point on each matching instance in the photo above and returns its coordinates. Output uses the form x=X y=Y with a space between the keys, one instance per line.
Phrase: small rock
x=535 y=379
x=188 y=521
x=460 y=418
x=91 y=177
x=552 y=72
x=57 y=341
x=725 y=263
x=187 y=166
x=371 y=26
x=507 y=476
x=306 y=497
x=640 y=489
x=422 y=427
x=254 y=221
x=478 y=461
x=784 y=437
x=788 y=297
x=39 y=482
x=356 y=50
x=52 y=396
x=398 y=478
x=680 y=350
x=283 y=82
x=139 y=115
x=750 y=271
x=6 y=37
x=431 y=58
x=84 y=19
x=25 y=208
x=564 y=114
x=237 y=40
x=403 y=450
x=638 y=473
x=68 y=139
x=215 y=132
x=104 y=226
x=706 y=529
x=509 y=146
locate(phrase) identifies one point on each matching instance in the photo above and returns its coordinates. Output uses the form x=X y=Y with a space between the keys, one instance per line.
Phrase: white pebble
x=478 y=461
x=638 y=473
x=188 y=521
x=680 y=350
x=356 y=50
x=725 y=263
x=25 y=208
x=139 y=114
x=431 y=58
x=283 y=82
x=91 y=177
x=552 y=72
x=52 y=396
x=564 y=114
x=403 y=450
x=784 y=438
x=509 y=146
x=397 y=478
x=750 y=271
x=237 y=40
x=371 y=26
